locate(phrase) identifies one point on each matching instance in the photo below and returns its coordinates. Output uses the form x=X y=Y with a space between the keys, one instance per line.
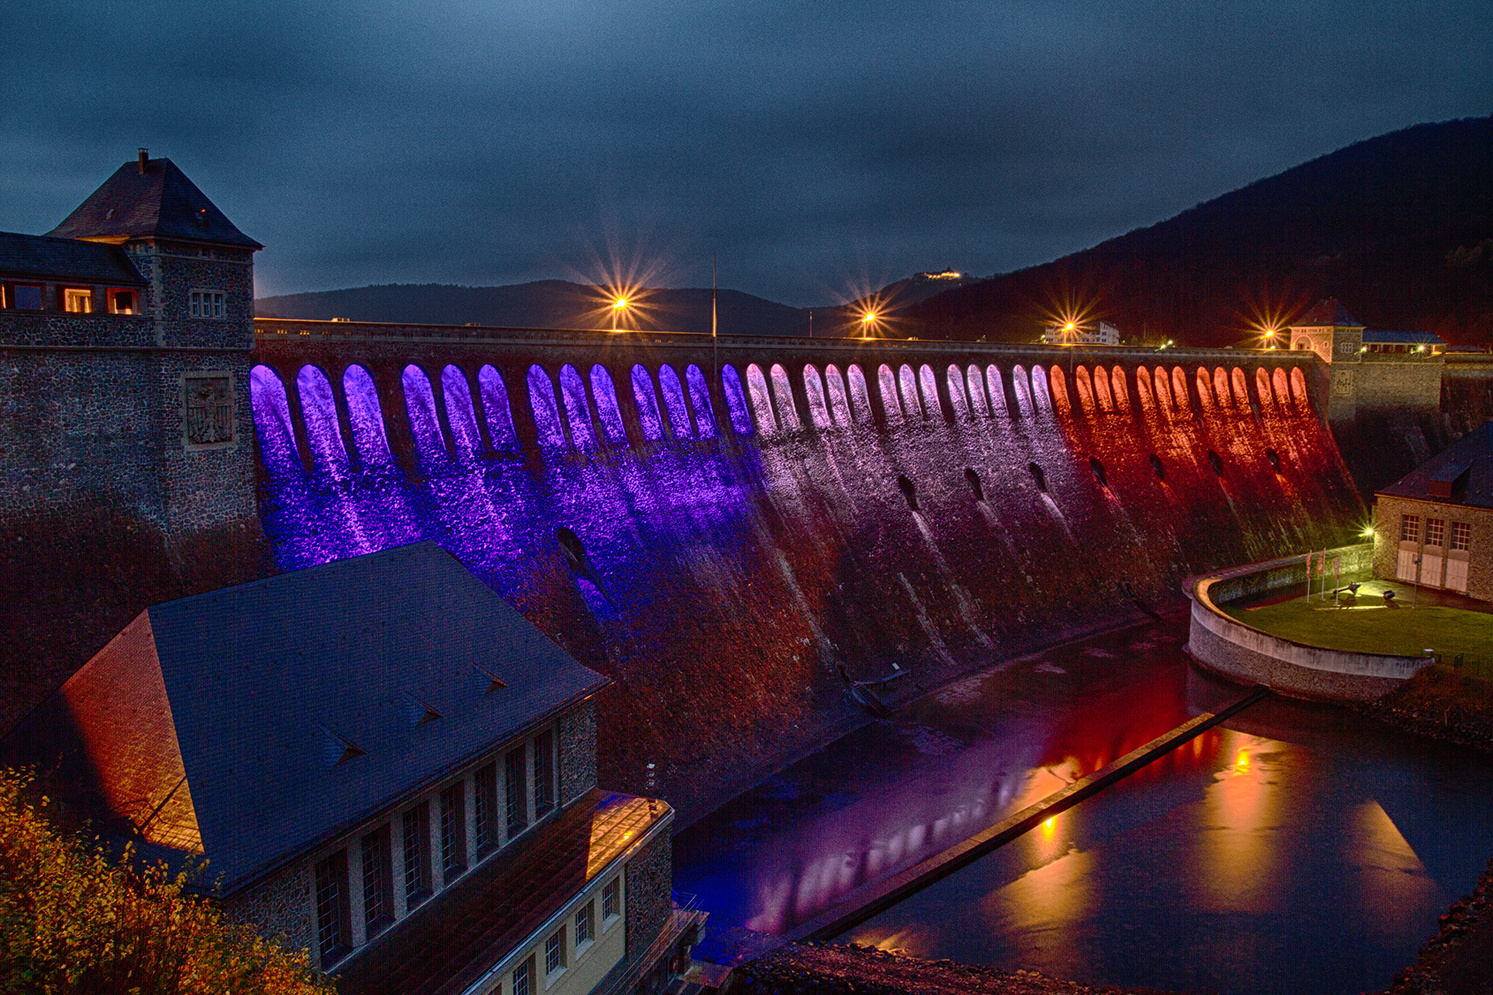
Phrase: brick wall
x=1387 y=513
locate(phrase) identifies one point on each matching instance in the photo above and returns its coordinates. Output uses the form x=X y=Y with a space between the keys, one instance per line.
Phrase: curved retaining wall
x=1240 y=652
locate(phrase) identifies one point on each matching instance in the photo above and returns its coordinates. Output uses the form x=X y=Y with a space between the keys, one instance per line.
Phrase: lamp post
x=618 y=306
x=868 y=322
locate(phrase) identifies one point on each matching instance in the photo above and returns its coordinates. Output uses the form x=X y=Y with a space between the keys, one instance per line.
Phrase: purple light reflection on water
x=425 y=426
x=366 y=417
x=460 y=414
x=542 y=402
x=699 y=396
x=496 y=410
x=606 y=406
x=673 y=391
x=328 y=454
x=642 y=391
x=577 y=411
x=736 y=402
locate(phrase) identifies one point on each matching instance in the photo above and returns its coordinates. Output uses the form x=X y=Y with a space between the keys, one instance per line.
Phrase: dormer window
x=23 y=297
x=121 y=301
x=206 y=303
x=77 y=300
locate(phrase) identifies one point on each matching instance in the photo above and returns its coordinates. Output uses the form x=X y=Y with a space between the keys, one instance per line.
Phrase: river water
x=1296 y=848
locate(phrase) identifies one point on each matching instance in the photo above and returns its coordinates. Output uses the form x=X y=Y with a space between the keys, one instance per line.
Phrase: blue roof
x=306 y=703
x=1462 y=473
x=1410 y=338
x=42 y=257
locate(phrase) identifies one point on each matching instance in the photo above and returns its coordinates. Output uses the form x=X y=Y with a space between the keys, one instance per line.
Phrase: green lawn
x=1402 y=631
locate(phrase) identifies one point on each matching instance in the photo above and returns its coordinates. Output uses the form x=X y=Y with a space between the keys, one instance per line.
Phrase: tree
x=74 y=921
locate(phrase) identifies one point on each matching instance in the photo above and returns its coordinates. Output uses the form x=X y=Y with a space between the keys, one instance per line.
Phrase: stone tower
x=126 y=442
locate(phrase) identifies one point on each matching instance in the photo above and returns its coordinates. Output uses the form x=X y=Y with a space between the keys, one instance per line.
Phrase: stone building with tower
x=1370 y=369
x=126 y=445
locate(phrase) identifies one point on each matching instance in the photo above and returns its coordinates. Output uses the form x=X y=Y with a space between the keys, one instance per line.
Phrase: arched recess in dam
x=747 y=520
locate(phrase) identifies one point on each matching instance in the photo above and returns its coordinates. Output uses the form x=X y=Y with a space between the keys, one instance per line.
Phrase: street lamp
x=618 y=306
x=868 y=322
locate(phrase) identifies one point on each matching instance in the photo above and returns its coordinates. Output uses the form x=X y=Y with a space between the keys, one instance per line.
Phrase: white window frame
x=608 y=920
x=207 y=304
x=554 y=949
x=587 y=914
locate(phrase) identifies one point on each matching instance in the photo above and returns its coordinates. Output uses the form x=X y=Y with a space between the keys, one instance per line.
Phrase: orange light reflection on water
x=1237 y=856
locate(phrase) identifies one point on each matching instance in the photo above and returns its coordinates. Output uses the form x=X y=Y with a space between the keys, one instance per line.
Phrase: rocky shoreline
x=1439 y=704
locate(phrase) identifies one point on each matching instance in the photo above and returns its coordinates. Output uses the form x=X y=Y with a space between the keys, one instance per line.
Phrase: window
x=585 y=930
x=121 y=302
x=554 y=953
x=1409 y=528
x=25 y=297
x=1461 y=535
x=1435 y=532
x=611 y=902
x=523 y=978
x=485 y=804
x=515 y=791
x=453 y=831
x=207 y=303
x=378 y=885
x=544 y=773
x=77 y=300
x=333 y=937
x=416 y=848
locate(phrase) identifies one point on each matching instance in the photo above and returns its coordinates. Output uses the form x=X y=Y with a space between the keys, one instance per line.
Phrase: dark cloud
x=812 y=147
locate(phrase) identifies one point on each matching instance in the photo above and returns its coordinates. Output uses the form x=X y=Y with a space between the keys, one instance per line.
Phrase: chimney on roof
x=144 y=159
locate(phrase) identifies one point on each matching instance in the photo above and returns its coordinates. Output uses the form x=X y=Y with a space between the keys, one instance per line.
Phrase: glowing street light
x=618 y=306
x=868 y=323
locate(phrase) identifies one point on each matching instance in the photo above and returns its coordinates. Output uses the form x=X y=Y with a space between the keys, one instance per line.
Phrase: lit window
x=1435 y=531
x=611 y=902
x=206 y=303
x=1409 y=528
x=121 y=302
x=77 y=300
x=554 y=953
x=1461 y=535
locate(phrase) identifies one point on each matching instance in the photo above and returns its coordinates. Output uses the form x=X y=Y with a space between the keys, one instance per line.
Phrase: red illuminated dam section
x=1222 y=643
x=506 y=390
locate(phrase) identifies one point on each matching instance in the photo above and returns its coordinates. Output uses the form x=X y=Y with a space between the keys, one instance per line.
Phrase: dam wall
x=723 y=525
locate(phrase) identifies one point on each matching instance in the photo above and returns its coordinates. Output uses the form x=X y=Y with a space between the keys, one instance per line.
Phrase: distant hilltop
x=1399 y=228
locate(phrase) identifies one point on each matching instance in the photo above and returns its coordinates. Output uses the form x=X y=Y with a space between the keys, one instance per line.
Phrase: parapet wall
x=1240 y=652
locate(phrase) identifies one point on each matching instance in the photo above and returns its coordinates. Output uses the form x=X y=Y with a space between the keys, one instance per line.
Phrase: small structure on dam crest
x=381 y=761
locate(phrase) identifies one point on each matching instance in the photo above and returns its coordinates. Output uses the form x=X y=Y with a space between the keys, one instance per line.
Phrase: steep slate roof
x=41 y=257
x=1461 y=474
x=1328 y=312
x=299 y=705
x=159 y=201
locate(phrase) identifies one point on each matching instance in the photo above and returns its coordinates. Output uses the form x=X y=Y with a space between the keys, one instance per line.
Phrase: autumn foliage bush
x=74 y=921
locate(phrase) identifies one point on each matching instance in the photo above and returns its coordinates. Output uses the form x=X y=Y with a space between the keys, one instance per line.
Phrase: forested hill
x=542 y=304
x=1399 y=228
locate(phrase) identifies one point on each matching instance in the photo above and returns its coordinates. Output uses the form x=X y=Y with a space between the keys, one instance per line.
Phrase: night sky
x=818 y=149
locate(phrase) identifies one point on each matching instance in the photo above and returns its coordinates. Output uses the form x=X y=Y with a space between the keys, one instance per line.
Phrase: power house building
x=381 y=761
x=1434 y=526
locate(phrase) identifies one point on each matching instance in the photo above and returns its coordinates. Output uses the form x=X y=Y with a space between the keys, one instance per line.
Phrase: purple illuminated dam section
x=748 y=526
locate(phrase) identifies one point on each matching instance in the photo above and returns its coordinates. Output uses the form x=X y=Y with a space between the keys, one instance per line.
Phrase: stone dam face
x=721 y=538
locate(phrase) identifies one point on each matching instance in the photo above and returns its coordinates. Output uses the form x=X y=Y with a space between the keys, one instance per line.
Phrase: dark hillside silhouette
x=1399 y=228
x=542 y=304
